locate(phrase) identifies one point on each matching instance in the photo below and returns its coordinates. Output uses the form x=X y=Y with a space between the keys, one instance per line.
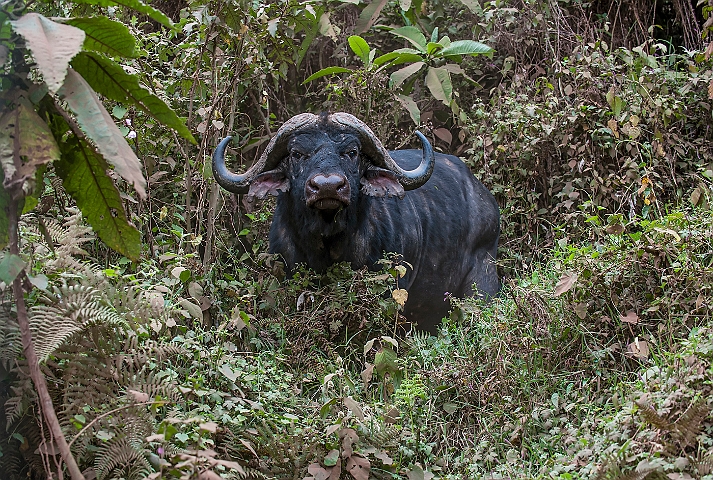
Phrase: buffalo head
x=323 y=162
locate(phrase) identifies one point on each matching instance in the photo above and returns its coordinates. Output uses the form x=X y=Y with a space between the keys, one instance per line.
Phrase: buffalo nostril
x=327 y=183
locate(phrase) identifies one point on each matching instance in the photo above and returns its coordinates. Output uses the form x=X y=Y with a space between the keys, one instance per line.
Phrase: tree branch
x=31 y=355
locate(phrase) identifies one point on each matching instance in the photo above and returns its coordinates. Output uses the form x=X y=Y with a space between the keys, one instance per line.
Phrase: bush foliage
x=169 y=343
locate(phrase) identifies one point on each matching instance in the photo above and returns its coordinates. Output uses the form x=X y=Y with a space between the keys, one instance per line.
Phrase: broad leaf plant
x=51 y=116
x=440 y=58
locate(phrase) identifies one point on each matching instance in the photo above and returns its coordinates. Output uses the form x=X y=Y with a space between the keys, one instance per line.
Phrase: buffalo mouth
x=328 y=204
x=327 y=208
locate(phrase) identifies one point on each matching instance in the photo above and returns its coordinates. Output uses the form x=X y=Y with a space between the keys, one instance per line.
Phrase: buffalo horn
x=270 y=158
x=409 y=179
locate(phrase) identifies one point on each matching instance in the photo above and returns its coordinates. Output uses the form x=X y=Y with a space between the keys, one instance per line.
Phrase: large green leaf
x=400 y=76
x=109 y=79
x=137 y=5
x=438 y=81
x=413 y=35
x=368 y=16
x=473 y=6
x=84 y=176
x=360 y=47
x=465 y=47
x=31 y=145
x=397 y=57
x=52 y=45
x=10 y=268
x=106 y=36
x=327 y=71
x=98 y=125
x=433 y=47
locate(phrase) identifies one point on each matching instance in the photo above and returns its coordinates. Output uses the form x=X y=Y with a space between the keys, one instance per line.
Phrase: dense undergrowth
x=201 y=360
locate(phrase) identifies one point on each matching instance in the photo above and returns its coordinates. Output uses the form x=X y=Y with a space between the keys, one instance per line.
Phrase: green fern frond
x=10 y=338
x=23 y=397
x=69 y=234
x=247 y=474
x=386 y=436
x=652 y=416
x=703 y=464
x=154 y=388
x=74 y=308
x=19 y=459
x=121 y=454
x=690 y=424
x=134 y=356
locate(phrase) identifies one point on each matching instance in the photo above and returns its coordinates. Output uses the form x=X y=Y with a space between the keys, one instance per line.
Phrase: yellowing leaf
x=22 y=127
x=52 y=45
x=670 y=232
x=400 y=295
x=400 y=76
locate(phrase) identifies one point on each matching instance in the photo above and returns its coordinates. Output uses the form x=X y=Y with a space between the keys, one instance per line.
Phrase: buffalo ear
x=379 y=182
x=268 y=183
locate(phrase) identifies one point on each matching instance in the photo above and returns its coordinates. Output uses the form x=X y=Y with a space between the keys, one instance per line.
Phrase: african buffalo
x=341 y=196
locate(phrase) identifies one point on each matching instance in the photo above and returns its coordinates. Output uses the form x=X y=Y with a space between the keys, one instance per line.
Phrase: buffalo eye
x=353 y=153
x=297 y=155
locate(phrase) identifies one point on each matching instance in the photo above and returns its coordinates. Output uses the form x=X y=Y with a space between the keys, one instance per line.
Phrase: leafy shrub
x=625 y=131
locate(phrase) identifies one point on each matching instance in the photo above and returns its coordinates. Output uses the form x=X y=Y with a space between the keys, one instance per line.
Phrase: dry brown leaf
x=384 y=458
x=139 y=396
x=367 y=373
x=444 y=134
x=317 y=471
x=630 y=317
x=638 y=348
x=335 y=472
x=616 y=229
x=358 y=467
x=392 y=416
x=352 y=405
x=349 y=437
x=581 y=310
x=566 y=282
x=210 y=427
